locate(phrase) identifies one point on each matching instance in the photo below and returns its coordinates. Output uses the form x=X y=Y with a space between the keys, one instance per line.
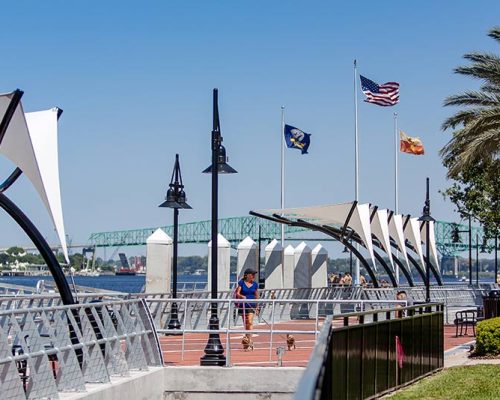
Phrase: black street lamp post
x=486 y=249
x=176 y=199
x=470 y=250
x=427 y=219
x=456 y=239
x=214 y=352
x=496 y=259
x=350 y=258
x=477 y=259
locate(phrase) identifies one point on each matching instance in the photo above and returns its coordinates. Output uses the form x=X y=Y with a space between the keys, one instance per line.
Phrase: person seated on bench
x=401 y=295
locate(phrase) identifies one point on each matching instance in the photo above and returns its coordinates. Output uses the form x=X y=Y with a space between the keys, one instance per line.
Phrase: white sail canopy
x=380 y=229
x=412 y=233
x=335 y=214
x=30 y=142
x=396 y=232
x=432 y=242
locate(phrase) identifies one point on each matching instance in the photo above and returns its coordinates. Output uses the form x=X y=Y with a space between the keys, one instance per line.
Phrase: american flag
x=383 y=95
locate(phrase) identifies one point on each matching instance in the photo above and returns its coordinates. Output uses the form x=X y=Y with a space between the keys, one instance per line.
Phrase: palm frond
x=495 y=33
x=460 y=118
x=484 y=66
x=469 y=146
x=473 y=98
x=482 y=58
x=477 y=138
x=493 y=89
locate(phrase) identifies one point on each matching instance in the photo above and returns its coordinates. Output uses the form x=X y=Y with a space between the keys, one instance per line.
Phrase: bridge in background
x=235 y=229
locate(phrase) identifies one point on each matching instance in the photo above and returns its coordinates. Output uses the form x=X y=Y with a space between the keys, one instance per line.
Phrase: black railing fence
x=363 y=355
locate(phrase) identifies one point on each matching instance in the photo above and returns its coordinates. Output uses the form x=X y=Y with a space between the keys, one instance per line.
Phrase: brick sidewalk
x=262 y=355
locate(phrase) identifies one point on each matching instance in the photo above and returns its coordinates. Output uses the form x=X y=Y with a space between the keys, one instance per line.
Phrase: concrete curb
x=197 y=383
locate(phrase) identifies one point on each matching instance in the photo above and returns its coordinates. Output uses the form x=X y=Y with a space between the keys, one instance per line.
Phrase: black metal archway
x=328 y=232
x=340 y=235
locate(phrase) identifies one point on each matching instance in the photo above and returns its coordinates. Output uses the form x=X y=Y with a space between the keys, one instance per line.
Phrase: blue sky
x=135 y=81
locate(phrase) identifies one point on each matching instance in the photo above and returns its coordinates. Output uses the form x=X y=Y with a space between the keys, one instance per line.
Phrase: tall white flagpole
x=396 y=180
x=283 y=144
x=356 y=159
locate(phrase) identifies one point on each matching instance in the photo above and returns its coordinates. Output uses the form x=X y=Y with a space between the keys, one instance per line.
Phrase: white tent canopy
x=396 y=232
x=357 y=217
x=380 y=229
x=412 y=233
x=335 y=214
x=30 y=142
x=432 y=241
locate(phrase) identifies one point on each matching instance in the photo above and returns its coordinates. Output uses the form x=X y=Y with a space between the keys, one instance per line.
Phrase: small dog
x=290 y=342
x=247 y=343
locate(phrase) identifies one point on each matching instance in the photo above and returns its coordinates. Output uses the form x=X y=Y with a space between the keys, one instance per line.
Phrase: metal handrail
x=66 y=307
x=329 y=355
x=229 y=305
x=62 y=349
x=389 y=310
x=307 y=387
x=88 y=342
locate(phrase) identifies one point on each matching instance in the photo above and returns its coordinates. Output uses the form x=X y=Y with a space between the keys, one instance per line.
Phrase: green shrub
x=488 y=337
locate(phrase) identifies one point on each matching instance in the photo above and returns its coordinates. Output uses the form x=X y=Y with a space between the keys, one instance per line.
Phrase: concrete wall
x=198 y=383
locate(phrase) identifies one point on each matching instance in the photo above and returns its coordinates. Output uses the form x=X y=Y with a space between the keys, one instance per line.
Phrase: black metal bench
x=464 y=319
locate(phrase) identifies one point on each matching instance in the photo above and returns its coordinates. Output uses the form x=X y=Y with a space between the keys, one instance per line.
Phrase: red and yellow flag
x=410 y=145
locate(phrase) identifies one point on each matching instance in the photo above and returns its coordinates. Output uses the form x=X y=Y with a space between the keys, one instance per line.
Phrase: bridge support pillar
x=159 y=262
x=247 y=257
x=273 y=268
x=223 y=263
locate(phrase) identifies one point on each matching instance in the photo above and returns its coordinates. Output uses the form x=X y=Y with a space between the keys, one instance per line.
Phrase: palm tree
x=477 y=138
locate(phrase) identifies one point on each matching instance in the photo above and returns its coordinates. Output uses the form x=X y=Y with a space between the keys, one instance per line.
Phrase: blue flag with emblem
x=297 y=139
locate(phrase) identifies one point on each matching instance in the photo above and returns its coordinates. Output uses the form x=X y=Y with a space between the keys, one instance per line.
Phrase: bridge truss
x=235 y=229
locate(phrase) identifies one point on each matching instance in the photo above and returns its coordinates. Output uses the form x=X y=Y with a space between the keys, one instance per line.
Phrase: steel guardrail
x=52 y=349
x=371 y=353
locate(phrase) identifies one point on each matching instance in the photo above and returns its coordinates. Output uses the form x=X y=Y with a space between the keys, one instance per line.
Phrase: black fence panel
x=374 y=357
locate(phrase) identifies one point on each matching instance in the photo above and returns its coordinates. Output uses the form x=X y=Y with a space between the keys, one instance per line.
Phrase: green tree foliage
x=15 y=251
x=476 y=192
x=192 y=263
x=4 y=258
x=476 y=135
x=472 y=154
x=76 y=260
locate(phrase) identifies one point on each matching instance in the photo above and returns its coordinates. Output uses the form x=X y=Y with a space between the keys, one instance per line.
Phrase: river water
x=135 y=284
x=121 y=283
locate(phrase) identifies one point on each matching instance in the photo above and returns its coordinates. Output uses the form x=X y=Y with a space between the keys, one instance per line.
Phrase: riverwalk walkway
x=262 y=355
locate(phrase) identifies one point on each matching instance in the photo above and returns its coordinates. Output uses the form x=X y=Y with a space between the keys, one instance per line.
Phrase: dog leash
x=267 y=323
